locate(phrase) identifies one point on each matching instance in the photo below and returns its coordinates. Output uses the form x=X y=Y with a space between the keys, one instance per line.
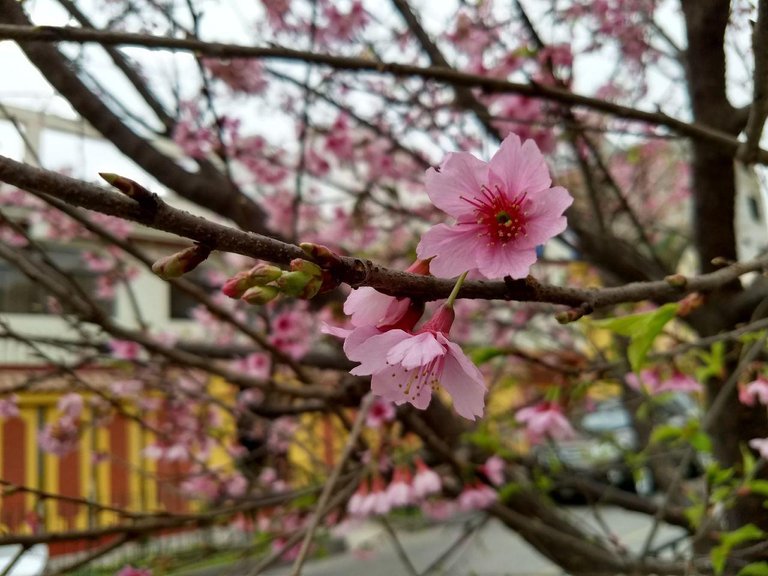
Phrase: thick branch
x=728 y=143
x=354 y=271
x=759 y=109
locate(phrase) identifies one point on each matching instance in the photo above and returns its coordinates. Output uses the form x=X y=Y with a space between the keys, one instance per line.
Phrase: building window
x=182 y=303
x=21 y=295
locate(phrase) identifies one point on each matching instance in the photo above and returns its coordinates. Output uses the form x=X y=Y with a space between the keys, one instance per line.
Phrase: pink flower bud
x=259 y=275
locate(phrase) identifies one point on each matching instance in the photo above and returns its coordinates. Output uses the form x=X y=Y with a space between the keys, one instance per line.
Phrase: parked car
x=605 y=436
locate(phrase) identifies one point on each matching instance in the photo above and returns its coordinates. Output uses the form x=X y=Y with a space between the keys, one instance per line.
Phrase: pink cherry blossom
x=545 y=420
x=755 y=390
x=679 y=382
x=131 y=571
x=280 y=434
x=504 y=209
x=760 y=445
x=426 y=481
x=367 y=307
x=71 y=405
x=357 y=504
x=400 y=490
x=406 y=367
x=649 y=382
x=438 y=509
x=256 y=365
x=380 y=413
x=126 y=388
x=9 y=407
x=125 y=349
x=477 y=497
x=494 y=470
x=60 y=437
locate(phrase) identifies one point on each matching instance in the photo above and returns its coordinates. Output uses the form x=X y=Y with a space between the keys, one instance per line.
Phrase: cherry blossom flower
x=406 y=367
x=126 y=388
x=477 y=496
x=357 y=504
x=438 y=509
x=755 y=390
x=504 y=209
x=60 y=437
x=650 y=383
x=125 y=349
x=494 y=470
x=545 y=420
x=9 y=407
x=256 y=365
x=380 y=413
x=760 y=445
x=426 y=481
x=131 y=571
x=400 y=490
x=281 y=434
x=70 y=405
x=367 y=307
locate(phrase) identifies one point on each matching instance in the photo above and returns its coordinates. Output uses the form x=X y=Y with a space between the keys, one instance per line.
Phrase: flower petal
x=371 y=352
x=500 y=261
x=464 y=382
x=519 y=168
x=454 y=248
x=416 y=351
x=337 y=331
x=460 y=174
x=393 y=384
x=544 y=218
x=366 y=306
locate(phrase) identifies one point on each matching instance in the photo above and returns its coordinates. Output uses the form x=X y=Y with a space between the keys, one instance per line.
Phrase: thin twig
x=330 y=484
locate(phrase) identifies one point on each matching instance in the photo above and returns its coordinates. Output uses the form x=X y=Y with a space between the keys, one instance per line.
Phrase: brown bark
x=714 y=227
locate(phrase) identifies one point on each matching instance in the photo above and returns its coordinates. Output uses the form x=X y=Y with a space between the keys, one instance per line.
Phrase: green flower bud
x=260 y=294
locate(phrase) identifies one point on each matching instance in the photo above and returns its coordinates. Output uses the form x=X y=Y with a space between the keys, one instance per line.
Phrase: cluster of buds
x=303 y=279
x=265 y=282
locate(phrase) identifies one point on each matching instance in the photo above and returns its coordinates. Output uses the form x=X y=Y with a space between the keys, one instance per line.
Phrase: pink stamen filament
x=503 y=220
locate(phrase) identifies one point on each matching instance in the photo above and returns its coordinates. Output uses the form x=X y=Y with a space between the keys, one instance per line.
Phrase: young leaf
x=642 y=330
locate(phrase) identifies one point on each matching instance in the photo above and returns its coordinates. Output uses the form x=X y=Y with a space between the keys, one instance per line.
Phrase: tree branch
x=445 y=75
x=354 y=271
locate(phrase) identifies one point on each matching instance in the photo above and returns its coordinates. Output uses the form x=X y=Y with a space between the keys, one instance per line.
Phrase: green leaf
x=483 y=355
x=482 y=438
x=729 y=540
x=754 y=569
x=509 y=490
x=758 y=487
x=641 y=329
x=749 y=461
x=701 y=442
x=714 y=362
x=695 y=513
x=666 y=433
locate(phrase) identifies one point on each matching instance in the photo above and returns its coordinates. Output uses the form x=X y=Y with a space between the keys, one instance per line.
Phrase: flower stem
x=455 y=291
